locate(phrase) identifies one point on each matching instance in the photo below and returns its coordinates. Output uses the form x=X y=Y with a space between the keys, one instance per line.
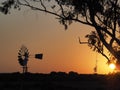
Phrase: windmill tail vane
x=39 y=56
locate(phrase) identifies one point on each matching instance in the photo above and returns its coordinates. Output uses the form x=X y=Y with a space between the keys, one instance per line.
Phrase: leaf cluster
x=94 y=42
x=7 y=5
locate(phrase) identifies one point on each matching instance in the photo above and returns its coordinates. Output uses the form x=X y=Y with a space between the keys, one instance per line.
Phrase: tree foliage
x=102 y=15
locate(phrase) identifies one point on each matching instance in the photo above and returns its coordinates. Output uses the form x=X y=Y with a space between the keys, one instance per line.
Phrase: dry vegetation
x=59 y=81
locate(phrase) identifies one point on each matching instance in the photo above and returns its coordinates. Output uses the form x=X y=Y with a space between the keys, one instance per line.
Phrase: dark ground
x=59 y=81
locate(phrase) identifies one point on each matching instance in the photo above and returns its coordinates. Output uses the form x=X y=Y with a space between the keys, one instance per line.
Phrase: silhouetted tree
x=102 y=15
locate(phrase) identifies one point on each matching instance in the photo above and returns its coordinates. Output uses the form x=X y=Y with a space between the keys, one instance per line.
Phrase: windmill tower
x=96 y=66
x=23 y=57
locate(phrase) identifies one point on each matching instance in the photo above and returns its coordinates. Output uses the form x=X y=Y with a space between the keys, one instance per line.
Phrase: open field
x=59 y=81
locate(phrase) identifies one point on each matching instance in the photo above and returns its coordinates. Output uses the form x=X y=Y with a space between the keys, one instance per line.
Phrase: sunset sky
x=42 y=33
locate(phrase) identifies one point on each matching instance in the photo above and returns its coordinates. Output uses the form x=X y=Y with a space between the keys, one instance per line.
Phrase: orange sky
x=43 y=33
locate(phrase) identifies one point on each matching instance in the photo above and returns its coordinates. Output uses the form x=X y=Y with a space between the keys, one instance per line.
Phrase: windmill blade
x=39 y=56
x=19 y=53
x=19 y=56
x=21 y=61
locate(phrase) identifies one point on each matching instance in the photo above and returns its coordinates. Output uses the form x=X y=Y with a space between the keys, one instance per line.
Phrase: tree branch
x=110 y=48
x=83 y=22
x=42 y=5
x=101 y=52
x=39 y=9
x=62 y=10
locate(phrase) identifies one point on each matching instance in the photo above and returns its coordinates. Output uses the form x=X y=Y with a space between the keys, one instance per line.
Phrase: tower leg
x=26 y=69
x=23 y=69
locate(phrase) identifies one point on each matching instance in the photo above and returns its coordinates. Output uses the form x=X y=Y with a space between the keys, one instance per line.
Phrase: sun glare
x=112 y=66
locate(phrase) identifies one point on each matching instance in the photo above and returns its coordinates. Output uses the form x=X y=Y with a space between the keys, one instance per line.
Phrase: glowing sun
x=112 y=66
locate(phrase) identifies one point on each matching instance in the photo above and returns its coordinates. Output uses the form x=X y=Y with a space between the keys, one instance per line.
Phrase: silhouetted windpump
x=95 y=68
x=23 y=56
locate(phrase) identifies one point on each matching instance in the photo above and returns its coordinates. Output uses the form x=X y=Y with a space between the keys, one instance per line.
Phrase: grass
x=59 y=81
